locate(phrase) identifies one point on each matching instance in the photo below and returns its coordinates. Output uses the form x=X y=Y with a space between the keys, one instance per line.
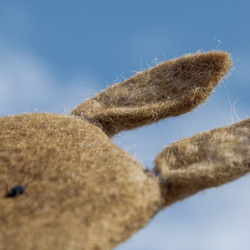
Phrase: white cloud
x=23 y=79
x=26 y=84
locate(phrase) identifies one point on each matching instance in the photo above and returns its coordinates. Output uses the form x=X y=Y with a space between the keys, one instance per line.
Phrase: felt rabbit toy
x=71 y=187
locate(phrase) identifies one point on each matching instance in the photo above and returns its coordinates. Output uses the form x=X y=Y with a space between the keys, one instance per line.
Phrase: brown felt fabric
x=84 y=192
x=170 y=89
x=206 y=160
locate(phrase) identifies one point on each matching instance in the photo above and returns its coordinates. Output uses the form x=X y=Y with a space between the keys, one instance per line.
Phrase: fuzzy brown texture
x=84 y=192
x=206 y=160
x=170 y=89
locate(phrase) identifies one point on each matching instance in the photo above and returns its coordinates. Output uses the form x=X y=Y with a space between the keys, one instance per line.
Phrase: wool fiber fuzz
x=78 y=190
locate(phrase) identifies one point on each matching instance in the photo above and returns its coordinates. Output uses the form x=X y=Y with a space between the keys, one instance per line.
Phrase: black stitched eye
x=15 y=191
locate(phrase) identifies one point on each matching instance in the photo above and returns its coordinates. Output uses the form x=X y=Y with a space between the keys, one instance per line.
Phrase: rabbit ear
x=169 y=89
x=206 y=160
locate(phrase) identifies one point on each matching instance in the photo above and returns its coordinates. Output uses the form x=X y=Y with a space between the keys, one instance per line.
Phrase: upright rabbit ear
x=204 y=161
x=169 y=89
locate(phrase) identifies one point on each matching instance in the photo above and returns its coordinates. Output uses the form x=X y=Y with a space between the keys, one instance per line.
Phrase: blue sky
x=54 y=54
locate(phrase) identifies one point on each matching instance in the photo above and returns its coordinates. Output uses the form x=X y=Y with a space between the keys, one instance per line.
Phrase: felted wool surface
x=171 y=88
x=205 y=160
x=82 y=191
